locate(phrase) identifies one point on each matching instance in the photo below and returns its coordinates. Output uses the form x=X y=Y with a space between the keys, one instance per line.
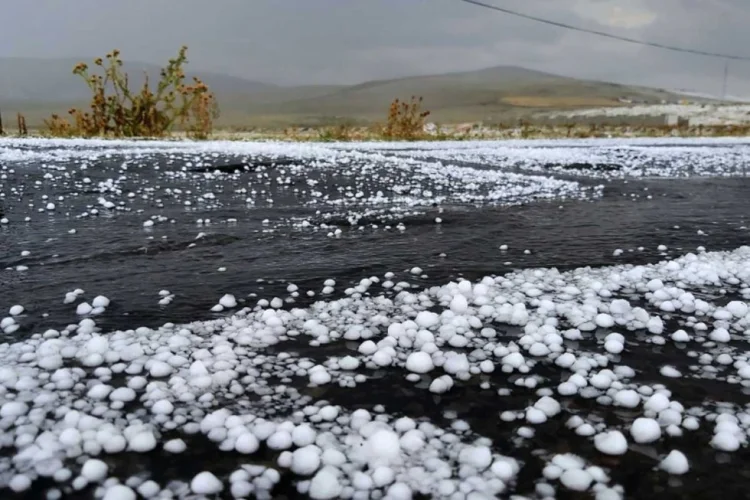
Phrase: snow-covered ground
x=698 y=114
x=76 y=398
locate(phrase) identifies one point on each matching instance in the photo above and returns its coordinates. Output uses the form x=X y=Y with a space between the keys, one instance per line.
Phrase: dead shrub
x=405 y=120
x=117 y=110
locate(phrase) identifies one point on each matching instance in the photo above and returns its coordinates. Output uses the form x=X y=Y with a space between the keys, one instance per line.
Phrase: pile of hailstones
x=69 y=396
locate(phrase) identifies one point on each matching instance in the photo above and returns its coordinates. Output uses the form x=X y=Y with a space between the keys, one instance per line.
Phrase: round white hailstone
x=97 y=345
x=681 y=336
x=720 y=335
x=303 y=435
x=604 y=321
x=459 y=304
x=738 y=309
x=115 y=444
x=670 y=416
x=576 y=479
x=691 y=423
x=206 y=483
x=119 y=492
x=401 y=491
x=70 y=437
x=149 y=489
x=538 y=349
x=362 y=481
x=333 y=457
x=382 y=358
x=404 y=424
x=368 y=347
x=419 y=362
x=505 y=469
x=142 y=442
x=613 y=346
x=328 y=413
x=567 y=389
x=94 y=470
x=627 y=398
x=479 y=457
x=125 y=394
x=600 y=380
x=162 y=407
x=100 y=301
x=246 y=443
x=83 y=309
x=228 y=301
x=535 y=416
x=16 y=310
x=670 y=371
x=655 y=325
x=19 y=483
x=325 y=485
x=319 y=376
x=568 y=461
x=675 y=463
x=565 y=360
x=279 y=440
x=412 y=441
x=611 y=443
x=744 y=371
x=725 y=441
x=514 y=359
x=305 y=460
x=548 y=405
x=148 y=223
x=241 y=489
x=384 y=445
x=160 y=369
x=656 y=403
x=441 y=385
x=348 y=363
x=383 y=476
x=427 y=319
x=645 y=430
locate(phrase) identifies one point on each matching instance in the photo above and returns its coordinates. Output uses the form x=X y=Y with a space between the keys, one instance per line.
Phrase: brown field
x=560 y=102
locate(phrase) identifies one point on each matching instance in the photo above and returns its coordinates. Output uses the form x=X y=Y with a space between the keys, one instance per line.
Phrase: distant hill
x=40 y=87
x=27 y=79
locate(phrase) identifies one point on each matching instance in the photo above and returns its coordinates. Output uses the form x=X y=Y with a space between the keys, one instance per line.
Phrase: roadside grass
x=345 y=133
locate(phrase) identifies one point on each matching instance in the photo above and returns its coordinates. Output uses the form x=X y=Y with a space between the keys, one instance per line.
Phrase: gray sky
x=349 y=41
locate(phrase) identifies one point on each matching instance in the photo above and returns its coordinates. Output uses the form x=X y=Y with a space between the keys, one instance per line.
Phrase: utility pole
x=724 y=84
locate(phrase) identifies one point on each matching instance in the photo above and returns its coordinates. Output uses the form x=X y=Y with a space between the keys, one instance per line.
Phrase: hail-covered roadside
x=271 y=394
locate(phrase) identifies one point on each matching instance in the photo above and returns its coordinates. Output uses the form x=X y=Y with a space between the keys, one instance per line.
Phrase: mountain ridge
x=39 y=87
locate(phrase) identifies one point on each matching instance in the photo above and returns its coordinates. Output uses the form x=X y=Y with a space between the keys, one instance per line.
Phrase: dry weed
x=116 y=110
x=405 y=120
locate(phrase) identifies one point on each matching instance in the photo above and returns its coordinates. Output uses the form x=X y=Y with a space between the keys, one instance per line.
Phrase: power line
x=605 y=34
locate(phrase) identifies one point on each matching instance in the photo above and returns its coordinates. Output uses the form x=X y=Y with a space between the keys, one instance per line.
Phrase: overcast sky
x=349 y=41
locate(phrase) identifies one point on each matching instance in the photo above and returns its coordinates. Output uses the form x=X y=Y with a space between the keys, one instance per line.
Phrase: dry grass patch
x=560 y=102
